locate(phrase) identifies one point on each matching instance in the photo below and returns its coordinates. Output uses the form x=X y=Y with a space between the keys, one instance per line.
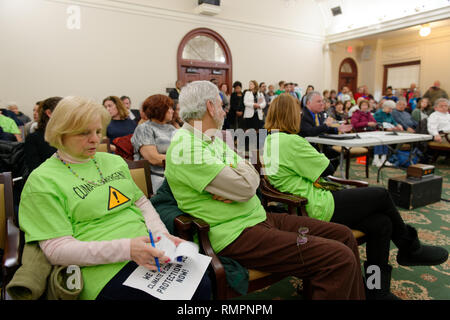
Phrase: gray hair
x=310 y=95
x=401 y=99
x=388 y=104
x=193 y=98
x=439 y=101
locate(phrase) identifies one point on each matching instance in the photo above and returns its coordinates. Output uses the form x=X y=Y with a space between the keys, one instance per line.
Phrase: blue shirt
x=120 y=128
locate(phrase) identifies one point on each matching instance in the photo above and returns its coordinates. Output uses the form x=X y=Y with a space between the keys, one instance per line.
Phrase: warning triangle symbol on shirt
x=116 y=198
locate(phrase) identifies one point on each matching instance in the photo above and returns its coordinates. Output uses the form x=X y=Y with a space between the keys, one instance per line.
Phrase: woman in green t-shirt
x=297 y=168
x=84 y=208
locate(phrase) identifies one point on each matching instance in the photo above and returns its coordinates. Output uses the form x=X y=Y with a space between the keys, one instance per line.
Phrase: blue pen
x=153 y=245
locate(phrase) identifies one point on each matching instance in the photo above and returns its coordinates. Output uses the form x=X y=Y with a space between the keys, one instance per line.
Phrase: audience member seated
x=220 y=188
x=134 y=114
x=10 y=130
x=152 y=138
x=384 y=117
x=313 y=124
x=439 y=120
x=403 y=117
x=344 y=95
x=254 y=102
x=389 y=95
x=412 y=102
x=30 y=127
x=309 y=88
x=348 y=105
x=176 y=120
x=362 y=119
x=333 y=98
x=419 y=112
x=299 y=169
x=121 y=125
x=385 y=120
x=12 y=106
x=65 y=207
x=37 y=150
x=337 y=112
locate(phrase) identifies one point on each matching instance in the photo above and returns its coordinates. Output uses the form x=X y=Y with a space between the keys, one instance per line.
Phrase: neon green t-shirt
x=55 y=203
x=292 y=166
x=9 y=125
x=191 y=164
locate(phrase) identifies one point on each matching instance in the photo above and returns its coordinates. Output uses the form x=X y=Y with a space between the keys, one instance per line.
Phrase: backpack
x=401 y=158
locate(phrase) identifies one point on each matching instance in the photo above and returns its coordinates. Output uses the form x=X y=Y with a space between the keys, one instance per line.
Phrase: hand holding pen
x=143 y=254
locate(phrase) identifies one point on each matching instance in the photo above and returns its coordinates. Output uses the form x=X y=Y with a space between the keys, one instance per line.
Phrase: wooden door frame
x=394 y=65
x=353 y=74
x=204 y=64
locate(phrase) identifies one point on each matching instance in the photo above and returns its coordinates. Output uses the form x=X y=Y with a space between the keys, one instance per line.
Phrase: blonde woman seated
x=298 y=168
x=65 y=207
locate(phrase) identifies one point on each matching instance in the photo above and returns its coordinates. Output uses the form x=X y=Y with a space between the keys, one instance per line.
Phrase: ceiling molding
x=409 y=21
x=131 y=7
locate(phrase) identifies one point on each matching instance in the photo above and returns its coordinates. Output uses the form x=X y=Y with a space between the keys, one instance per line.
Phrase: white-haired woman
x=65 y=206
x=384 y=117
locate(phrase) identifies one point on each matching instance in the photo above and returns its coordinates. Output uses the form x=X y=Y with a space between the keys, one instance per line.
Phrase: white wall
x=432 y=51
x=131 y=49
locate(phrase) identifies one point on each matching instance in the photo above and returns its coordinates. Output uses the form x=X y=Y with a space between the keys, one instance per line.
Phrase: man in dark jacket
x=313 y=123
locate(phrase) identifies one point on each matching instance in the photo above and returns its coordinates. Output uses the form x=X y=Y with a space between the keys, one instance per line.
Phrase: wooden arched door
x=204 y=55
x=348 y=75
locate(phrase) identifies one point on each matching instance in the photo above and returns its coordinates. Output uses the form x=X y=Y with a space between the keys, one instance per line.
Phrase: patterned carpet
x=408 y=283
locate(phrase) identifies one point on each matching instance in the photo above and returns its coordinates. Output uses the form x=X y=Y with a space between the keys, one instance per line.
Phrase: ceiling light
x=424 y=30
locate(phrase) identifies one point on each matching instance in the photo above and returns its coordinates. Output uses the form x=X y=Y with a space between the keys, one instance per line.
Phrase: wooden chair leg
x=367 y=165
x=347 y=163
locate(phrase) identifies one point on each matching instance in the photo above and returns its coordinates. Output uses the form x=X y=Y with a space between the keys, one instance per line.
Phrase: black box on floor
x=410 y=193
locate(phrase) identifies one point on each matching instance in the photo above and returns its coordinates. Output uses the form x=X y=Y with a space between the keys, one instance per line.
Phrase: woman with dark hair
x=151 y=139
x=234 y=116
x=176 y=120
x=121 y=125
x=37 y=150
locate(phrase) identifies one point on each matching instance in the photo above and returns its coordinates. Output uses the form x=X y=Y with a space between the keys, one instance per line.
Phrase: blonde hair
x=284 y=114
x=72 y=116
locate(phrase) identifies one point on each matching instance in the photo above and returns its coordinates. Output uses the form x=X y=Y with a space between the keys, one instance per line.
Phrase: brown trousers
x=328 y=262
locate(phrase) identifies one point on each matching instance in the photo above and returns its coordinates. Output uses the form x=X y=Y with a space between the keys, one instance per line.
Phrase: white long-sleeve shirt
x=438 y=121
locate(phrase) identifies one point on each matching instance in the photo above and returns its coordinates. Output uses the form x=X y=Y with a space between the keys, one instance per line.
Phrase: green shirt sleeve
x=303 y=158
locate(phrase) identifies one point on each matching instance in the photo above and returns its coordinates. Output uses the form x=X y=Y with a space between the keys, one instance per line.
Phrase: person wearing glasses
x=83 y=208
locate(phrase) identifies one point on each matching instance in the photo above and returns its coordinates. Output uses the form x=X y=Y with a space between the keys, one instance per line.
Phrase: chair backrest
x=104 y=146
x=6 y=205
x=140 y=172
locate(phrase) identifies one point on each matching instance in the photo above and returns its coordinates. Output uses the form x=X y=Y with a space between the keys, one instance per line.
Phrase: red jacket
x=361 y=119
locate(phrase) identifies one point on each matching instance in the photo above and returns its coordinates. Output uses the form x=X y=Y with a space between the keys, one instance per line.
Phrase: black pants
x=115 y=290
x=372 y=211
